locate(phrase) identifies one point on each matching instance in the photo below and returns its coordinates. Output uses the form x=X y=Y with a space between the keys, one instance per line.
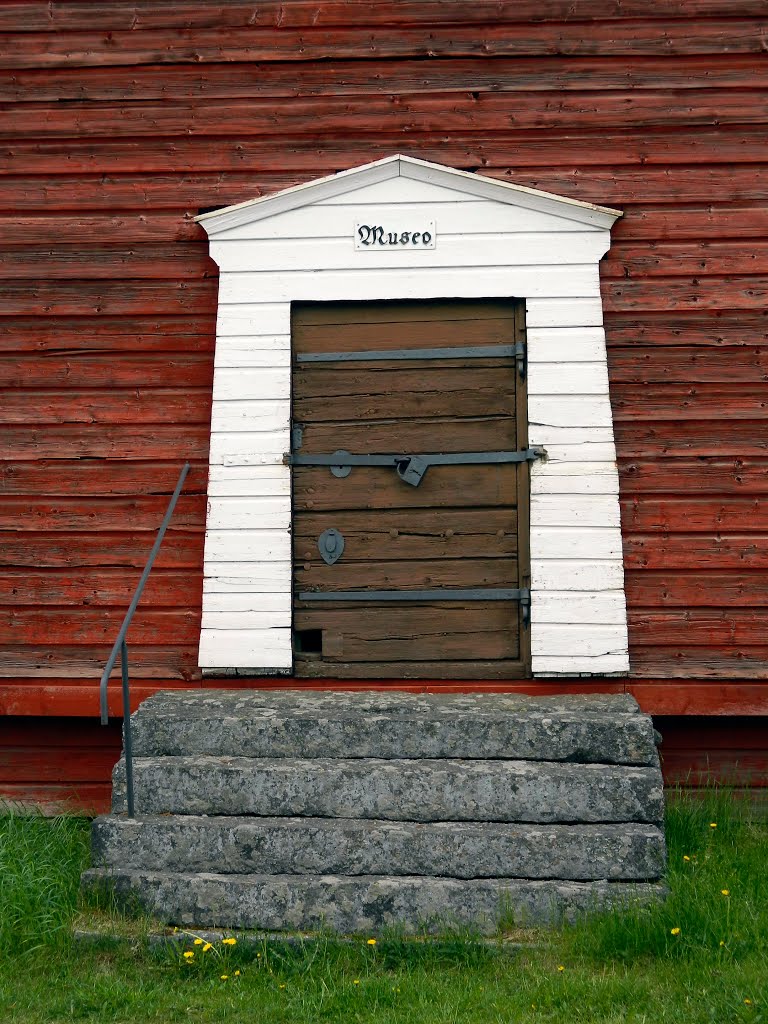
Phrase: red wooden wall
x=121 y=121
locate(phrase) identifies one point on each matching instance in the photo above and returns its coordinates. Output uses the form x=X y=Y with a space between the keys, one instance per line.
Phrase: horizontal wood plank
x=70 y=696
x=484 y=432
x=708 y=587
x=151 y=661
x=349 y=77
x=707 y=437
x=61 y=550
x=438 y=632
x=98 y=587
x=693 y=550
x=404 y=394
x=143 y=512
x=414 y=574
x=694 y=515
x=712 y=475
x=137 y=406
x=376 y=488
x=179 y=261
x=410 y=533
x=58 y=334
x=68 y=477
x=92 y=298
x=714 y=662
x=96 y=626
x=312 y=155
x=627 y=36
x=142 y=16
x=688 y=377
x=700 y=627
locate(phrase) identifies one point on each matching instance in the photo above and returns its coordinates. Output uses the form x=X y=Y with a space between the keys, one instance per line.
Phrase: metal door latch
x=411 y=468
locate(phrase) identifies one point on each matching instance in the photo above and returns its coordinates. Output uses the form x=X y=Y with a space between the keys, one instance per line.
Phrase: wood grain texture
x=312 y=155
x=638 y=35
x=140 y=16
x=460 y=111
x=412 y=533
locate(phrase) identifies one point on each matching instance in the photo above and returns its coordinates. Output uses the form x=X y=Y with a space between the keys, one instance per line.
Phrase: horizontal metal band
x=342 y=458
x=479 y=594
x=382 y=355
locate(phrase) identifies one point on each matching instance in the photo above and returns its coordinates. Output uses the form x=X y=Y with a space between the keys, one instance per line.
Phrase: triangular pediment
x=358 y=180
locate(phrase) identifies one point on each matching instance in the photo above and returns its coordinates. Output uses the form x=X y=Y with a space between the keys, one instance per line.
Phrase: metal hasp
x=523 y=595
x=330 y=544
x=410 y=468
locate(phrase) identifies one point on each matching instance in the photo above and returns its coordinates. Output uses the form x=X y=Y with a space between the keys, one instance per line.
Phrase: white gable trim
x=494 y=240
x=406 y=167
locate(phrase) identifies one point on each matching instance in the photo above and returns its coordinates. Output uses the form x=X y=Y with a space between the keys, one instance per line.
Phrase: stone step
x=363 y=904
x=399 y=790
x=607 y=729
x=339 y=846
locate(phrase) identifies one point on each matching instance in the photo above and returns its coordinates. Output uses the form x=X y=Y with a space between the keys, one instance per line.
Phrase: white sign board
x=394 y=235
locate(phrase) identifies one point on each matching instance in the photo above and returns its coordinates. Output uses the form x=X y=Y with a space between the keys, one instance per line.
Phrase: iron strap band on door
x=343 y=458
x=384 y=355
x=516 y=351
x=410 y=468
x=523 y=595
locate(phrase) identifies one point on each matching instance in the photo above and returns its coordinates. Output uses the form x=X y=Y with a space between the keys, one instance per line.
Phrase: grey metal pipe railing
x=121 y=647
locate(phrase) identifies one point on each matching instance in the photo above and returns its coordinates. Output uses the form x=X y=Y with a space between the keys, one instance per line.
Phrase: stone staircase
x=358 y=811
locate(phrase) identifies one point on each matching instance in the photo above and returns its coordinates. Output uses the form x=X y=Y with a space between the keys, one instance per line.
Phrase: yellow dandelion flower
x=722 y=942
x=560 y=967
x=258 y=956
x=713 y=824
x=207 y=946
x=686 y=857
x=188 y=955
x=725 y=892
x=356 y=981
x=228 y=942
x=224 y=977
x=674 y=931
x=748 y=1002
x=371 y=942
x=198 y=942
x=282 y=986
x=237 y=974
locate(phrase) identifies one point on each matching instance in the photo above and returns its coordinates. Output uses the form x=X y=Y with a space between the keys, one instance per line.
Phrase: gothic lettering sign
x=382 y=235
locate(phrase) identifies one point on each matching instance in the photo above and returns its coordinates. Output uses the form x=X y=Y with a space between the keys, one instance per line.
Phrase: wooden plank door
x=464 y=527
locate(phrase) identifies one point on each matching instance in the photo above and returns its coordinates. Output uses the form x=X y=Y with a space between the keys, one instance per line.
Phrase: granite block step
x=340 y=846
x=395 y=790
x=607 y=729
x=362 y=904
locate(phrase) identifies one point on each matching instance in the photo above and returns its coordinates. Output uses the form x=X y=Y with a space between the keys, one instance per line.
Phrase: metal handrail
x=121 y=647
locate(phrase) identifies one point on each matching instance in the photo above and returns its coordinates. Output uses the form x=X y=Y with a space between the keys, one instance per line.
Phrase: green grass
x=626 y=967
x=40 y=862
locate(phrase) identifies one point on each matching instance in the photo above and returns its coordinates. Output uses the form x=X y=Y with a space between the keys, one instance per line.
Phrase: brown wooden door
x=464 y=526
